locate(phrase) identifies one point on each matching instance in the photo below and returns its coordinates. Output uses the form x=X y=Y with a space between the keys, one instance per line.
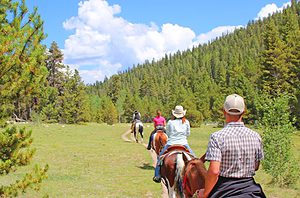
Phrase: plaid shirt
x=238 y=148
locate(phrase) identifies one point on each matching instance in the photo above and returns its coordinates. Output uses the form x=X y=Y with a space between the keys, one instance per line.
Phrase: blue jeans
x=157 y=168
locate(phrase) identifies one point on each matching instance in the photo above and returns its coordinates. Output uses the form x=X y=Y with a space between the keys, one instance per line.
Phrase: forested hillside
x=260 y=59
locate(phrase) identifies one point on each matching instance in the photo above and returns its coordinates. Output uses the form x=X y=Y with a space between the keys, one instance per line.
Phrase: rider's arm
x=168 y=129
x=188 y=132
x=211 y=177
x=259 y=156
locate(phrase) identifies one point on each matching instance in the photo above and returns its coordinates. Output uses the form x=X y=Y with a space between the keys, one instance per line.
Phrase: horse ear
x=185 y=159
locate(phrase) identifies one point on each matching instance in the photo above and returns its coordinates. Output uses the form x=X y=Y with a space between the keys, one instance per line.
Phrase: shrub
x=277 y=131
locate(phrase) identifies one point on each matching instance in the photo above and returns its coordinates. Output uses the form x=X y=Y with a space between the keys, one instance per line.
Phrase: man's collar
x=235 y=124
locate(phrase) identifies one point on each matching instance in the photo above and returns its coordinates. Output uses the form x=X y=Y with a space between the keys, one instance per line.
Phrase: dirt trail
x=125 y=136
x=152 y=154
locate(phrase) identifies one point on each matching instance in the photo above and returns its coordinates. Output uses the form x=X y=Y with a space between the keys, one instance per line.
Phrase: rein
x=185 y=182
x=185 y=186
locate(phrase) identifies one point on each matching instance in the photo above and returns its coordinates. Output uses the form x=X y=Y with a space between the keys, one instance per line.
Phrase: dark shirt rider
x=135 y=118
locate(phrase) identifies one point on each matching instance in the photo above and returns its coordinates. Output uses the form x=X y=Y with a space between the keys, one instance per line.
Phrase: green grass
x=93 y=161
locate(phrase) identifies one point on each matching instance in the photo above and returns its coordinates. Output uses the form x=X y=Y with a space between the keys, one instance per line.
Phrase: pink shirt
x=159 y=121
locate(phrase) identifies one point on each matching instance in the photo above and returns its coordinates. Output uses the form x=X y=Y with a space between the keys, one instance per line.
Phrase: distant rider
x=135 y=118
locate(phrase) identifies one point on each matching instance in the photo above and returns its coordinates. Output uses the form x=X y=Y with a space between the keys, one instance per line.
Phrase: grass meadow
x=93 y=160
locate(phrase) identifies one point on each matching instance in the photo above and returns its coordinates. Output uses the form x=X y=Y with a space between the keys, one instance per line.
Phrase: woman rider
x=178 y=129
x=159 y=124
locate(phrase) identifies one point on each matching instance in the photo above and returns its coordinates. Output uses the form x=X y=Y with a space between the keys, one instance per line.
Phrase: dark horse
x=138 y=126
x=173 y=164
x=159 y=141
x=194 y=174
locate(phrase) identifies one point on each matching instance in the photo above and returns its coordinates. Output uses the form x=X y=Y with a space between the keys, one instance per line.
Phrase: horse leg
x=136 y=137
x=141 y=133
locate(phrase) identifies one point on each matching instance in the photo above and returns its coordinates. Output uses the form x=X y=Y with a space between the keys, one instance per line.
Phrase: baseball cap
x=234 y=104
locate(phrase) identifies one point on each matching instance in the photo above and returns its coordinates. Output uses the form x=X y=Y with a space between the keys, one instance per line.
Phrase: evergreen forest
x=259 y=61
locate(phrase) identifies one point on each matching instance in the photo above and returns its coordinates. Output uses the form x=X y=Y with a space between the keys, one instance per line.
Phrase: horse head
x=194 y=174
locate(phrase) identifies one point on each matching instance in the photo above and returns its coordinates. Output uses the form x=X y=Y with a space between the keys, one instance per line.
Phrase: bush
x=277 y=131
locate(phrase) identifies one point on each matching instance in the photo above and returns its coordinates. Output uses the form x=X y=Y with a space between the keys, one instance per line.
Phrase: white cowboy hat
x=178 y=112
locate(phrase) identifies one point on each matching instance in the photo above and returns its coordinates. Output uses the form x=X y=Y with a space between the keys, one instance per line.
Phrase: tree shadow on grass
x=146 y=166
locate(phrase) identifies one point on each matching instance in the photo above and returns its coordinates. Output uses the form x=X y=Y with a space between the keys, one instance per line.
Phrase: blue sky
x=100 y=38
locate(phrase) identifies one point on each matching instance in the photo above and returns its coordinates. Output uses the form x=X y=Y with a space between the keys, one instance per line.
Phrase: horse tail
x=178 y=176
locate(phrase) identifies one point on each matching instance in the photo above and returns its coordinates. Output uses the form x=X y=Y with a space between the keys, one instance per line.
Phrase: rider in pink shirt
x=159 y=123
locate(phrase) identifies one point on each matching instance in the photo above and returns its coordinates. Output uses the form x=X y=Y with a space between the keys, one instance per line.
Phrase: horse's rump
x=159 y=141
x=171 y=170
x=194 y=174
x=138 y=126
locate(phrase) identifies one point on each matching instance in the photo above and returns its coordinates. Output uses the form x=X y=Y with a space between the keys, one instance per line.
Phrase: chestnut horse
x=194 y=174
x=173 y=162
x=159 y=141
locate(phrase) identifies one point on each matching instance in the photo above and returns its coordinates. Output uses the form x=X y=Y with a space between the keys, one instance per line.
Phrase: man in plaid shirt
x=234 y=154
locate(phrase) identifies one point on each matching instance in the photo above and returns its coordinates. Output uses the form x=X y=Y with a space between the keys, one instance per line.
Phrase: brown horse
x=172 y=167
x=159 y=141
x=194 y=174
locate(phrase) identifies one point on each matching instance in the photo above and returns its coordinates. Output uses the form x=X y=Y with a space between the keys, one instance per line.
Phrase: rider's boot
x=156 y=179
x=149 y=146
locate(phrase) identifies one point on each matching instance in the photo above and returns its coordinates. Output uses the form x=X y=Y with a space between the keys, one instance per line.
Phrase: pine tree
x=22 y=58
x=109 y=111
x=74 y=101
x=114 y=88
x=275 y=71
x=54 y=65
x=16 y=151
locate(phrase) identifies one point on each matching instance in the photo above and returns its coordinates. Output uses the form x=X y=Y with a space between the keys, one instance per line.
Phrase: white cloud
x=214 y=33
x=270 y=9
x=104 y=43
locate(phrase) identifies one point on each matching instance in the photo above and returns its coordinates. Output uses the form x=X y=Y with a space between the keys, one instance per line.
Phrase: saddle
x=177 y=148
x=159 y=131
